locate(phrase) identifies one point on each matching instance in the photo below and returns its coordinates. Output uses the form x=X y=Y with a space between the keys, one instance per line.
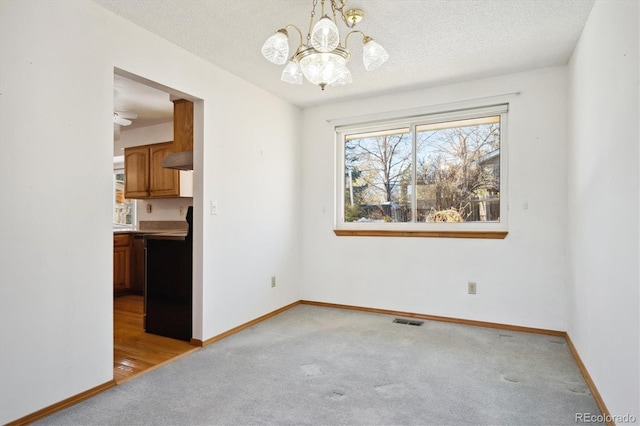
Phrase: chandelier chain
x=313 y=14
x=333 y=9
x=340 y=8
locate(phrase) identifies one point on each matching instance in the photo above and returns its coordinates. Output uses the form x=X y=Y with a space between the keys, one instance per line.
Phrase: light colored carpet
x=322 y=366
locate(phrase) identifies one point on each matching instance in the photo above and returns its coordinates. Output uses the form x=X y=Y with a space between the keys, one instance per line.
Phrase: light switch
x=214 y=207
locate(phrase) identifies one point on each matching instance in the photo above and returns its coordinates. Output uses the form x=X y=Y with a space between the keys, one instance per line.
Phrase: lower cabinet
x=121 y=263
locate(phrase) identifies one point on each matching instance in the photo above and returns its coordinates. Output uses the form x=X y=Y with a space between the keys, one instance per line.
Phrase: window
x=431 y=175
x=124 y=211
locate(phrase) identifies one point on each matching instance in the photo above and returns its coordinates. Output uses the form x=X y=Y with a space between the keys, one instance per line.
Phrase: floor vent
x=408 y=322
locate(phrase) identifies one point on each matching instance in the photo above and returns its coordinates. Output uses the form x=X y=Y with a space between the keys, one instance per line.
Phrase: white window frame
x=118 y=168
x=422 y=229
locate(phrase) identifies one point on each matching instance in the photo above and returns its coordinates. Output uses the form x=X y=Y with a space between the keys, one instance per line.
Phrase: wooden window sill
x=494 y=235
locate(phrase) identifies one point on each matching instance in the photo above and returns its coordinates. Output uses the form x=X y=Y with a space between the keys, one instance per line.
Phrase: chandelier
x=322 y=59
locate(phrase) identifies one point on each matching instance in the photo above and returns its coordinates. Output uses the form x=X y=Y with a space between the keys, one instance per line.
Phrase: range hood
x=182 y=157
x=182 y=160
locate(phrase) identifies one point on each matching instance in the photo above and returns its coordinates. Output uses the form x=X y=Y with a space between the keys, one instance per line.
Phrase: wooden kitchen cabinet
x=121 y=263
x=146 y=178
x=163 y=182
x=136 y=172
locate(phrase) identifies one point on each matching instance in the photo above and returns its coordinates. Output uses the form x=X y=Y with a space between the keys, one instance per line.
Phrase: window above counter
x=124 y=210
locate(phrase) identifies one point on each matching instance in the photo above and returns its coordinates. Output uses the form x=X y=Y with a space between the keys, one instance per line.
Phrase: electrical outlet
x=471 y=287
x=181 y=212
x=149 y=208
x=273 y=281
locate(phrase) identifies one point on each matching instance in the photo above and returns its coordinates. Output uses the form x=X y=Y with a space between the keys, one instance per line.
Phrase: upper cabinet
x=146 y=178
x=136 y=171
x=144 y=175
x=162 y=182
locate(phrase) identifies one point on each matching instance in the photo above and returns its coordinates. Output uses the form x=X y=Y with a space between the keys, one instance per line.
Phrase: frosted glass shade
x=325 y=36
x=344 y=78
x=322 y=68
x=276 y=48
x=373 y=55
x=292 y=73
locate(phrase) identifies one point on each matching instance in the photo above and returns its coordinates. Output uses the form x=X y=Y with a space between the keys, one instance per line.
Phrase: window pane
x=378 y=177
x=124 y=210
x=458 y=171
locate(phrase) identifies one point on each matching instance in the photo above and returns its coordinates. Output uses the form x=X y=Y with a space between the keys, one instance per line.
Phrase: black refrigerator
x=168 y=292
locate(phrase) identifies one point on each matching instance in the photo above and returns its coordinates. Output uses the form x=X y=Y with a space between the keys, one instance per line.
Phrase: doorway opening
x=144 y=123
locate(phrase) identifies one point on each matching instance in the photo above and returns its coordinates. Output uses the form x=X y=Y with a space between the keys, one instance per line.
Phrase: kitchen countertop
x=154 y=227
x=168 y=229
x=158 y=232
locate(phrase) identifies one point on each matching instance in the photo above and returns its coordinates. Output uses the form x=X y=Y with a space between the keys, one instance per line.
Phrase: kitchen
x=152 y=253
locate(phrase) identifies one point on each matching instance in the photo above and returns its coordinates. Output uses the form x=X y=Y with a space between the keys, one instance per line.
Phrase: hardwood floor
x=134 y=351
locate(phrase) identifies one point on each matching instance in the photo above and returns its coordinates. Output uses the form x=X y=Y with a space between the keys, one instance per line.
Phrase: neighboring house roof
x=490 y=158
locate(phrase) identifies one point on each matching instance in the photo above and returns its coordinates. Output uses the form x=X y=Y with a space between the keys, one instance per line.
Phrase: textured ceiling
x=430 y=42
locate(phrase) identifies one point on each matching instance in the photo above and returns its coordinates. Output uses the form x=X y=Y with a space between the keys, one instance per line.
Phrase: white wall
x=252 y=171
x=163 y=209
x=521 y=280
x=128 y=138
x=603 y=192
x=56 y=80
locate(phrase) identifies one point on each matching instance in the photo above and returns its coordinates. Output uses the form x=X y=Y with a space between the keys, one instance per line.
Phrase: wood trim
x=592 y=386
x=494 y=235
x=241 y=327
x=40 y=414
x=439 y=318
x=196 y=342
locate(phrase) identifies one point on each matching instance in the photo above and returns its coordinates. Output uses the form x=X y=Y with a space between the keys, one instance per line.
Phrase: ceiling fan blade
x=126 y=114
x=121 y=121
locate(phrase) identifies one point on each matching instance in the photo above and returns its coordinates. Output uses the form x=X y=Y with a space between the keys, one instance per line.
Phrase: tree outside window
x=436 y=172
x=124 y=210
